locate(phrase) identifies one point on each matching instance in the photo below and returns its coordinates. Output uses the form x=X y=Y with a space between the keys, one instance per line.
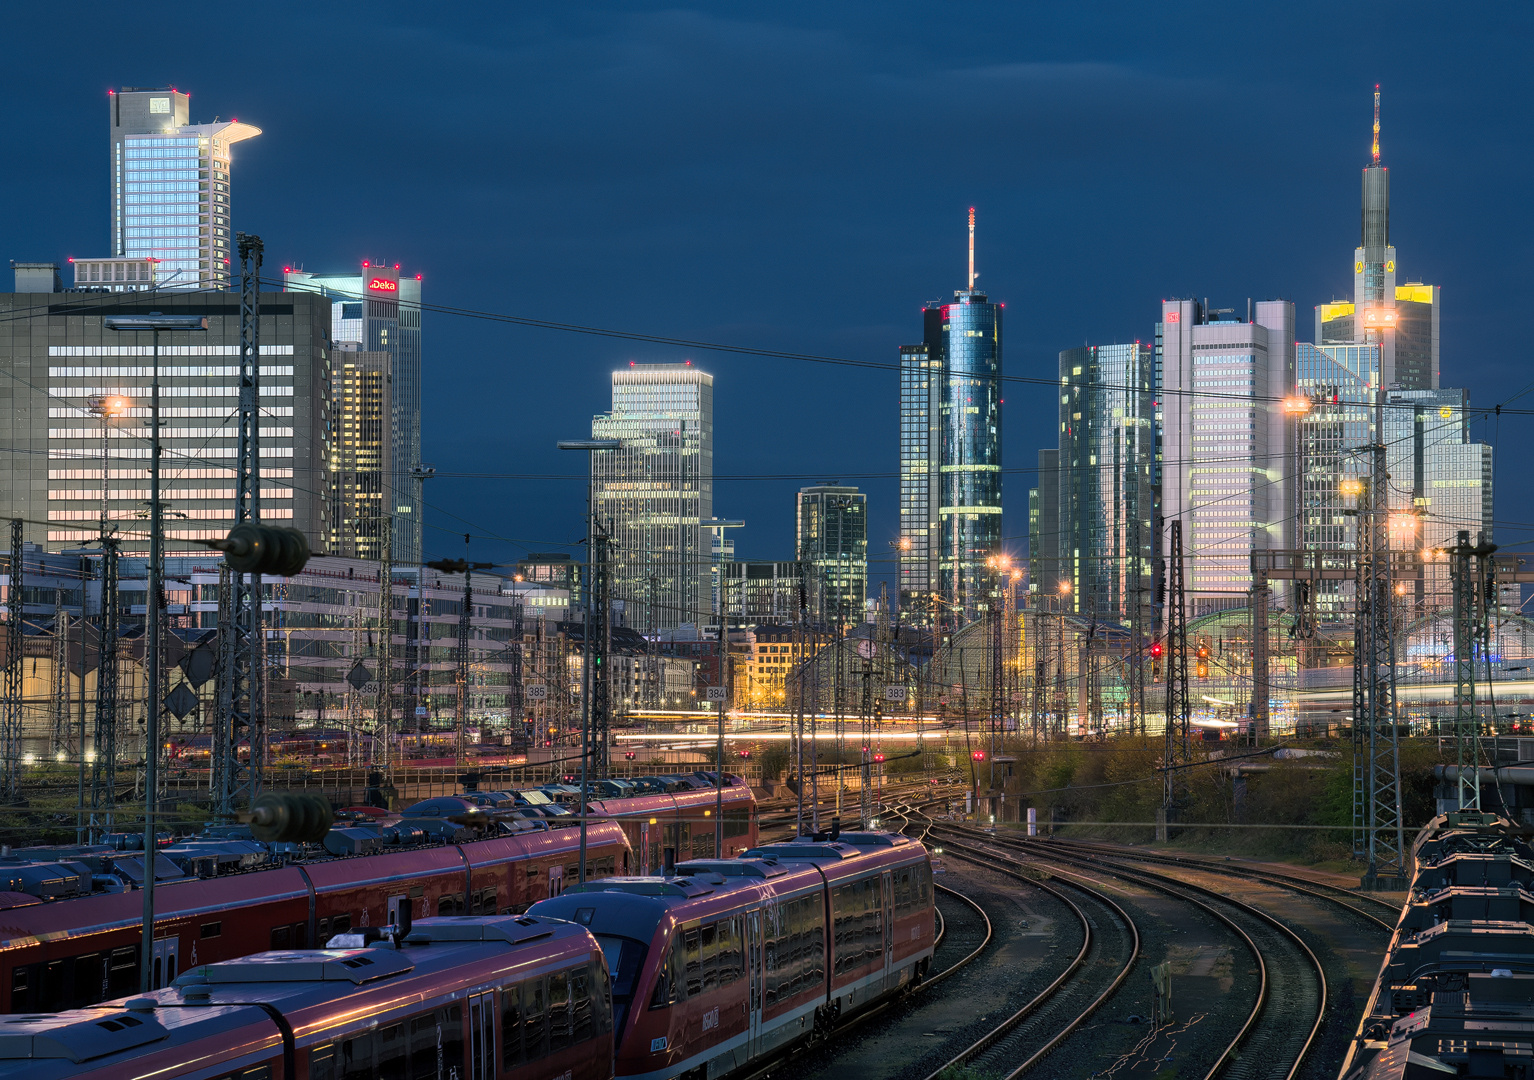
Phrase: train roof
x=214 y=1000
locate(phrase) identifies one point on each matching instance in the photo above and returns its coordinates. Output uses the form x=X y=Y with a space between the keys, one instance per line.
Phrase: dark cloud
x=795 y=176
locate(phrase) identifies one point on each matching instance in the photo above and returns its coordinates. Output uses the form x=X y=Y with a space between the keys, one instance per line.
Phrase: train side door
x=396 y=909
x=754 y=966
x=482 y=1036
x=165 y=962
x=556 y=880
x=887 y=893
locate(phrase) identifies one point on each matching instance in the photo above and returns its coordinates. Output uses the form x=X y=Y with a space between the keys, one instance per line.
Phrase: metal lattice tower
x=104 y=741
x=62 y=738
x=383 y=699
x=15 y=615
x=1374 y=694
x=1470 y=594
x=1178 y=707
x=239 y=730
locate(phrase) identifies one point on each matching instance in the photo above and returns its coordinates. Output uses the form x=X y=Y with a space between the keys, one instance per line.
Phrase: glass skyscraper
x=1105 y=505
x=171 y=186
x=377 y=313
x=950 y=460
x=831 y=523
x=655 y=493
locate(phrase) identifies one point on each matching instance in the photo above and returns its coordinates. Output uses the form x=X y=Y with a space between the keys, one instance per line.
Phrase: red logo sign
x=1174 y=316
x=379 y=284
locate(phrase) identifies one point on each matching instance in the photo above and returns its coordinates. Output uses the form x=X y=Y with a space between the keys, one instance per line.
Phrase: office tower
x=960 y=483
x=1044 y=570
x=75 y=385
x=378 y=312
x=831 y=524
x=171 y=187
x=1106 y=503
x=1405 y=316
x=656 y=492
x=1440 y=484
x=920 y=454
x=1330 y=417
x=762 y=593
x=1224 y=440
x=360 y=465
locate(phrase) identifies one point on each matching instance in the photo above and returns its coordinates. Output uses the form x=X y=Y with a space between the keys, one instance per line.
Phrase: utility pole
x=421 y=473
x=239 y=730
x=1470 y=601
x=601 y=650
x=1177 y=754
x=104 y=742
x=60 y=698
x=15 y=614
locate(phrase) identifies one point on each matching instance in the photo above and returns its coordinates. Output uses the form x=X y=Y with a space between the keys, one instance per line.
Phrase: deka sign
x=379 y=284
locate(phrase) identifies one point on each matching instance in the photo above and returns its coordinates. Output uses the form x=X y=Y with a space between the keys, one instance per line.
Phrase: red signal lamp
x=1156 y=649
x=978 y=755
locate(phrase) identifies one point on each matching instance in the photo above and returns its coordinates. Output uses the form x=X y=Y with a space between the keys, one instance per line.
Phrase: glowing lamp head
x=1065 y=588
x=1351 y=487
x=1297 y=406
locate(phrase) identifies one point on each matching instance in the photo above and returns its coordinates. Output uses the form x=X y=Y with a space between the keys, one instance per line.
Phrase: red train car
x=70 y=953
x=684 y=822
x=732 y=959
x=462 y=998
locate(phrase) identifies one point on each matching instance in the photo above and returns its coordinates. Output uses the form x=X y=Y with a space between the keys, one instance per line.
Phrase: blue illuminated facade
x=964 y=337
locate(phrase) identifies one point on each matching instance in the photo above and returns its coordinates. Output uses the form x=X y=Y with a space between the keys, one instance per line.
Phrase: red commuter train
x=728 y=960
x=68 y=953
x=462 y=998
x=684 y=822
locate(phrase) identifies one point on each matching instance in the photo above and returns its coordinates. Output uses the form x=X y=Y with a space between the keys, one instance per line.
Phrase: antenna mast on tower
x=972 y=209
x=1376 y=161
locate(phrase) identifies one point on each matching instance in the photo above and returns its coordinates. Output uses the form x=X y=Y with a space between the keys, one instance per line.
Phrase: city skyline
x=1301 y=211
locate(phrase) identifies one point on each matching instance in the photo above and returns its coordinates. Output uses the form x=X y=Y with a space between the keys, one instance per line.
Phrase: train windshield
x=625 y=961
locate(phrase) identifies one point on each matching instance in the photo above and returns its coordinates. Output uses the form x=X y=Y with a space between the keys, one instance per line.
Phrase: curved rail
x=1012 y=1031
x=1319 y=890
x=1171 y=886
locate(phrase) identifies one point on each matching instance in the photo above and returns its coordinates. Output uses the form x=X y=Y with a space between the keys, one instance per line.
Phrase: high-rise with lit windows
x=1224 y=440
x=171 y=187
x=831 y=521
x=950 y=457
x=376 y=325
x=655 y=494
x=1405 y=317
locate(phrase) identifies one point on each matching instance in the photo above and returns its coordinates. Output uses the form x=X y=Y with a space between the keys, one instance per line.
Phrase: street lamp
x=591 y=446
x=154 y=322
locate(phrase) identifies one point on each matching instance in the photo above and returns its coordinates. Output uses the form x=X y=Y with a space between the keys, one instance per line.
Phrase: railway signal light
x=1203 y=650
x=1202 y=670
x=629 y=754
x=978 y=755
x=253 y=548
x=1156 y=649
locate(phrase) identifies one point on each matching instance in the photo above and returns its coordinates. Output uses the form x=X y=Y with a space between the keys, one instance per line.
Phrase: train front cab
x=731 y=959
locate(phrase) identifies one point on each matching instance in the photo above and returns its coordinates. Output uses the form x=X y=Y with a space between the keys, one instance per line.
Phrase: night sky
x=796 y=177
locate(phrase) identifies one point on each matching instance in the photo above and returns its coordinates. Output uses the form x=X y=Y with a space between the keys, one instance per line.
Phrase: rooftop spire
x=1376 y=123
x=972 y=248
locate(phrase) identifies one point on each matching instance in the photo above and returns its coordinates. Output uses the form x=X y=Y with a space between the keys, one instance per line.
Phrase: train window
x=322 y=1062
x=693 y=980
x=534 y=1035
x=280 y=937
x=730 y=952
x=300 y=935
x=340 y=924
x=357 y=1058
x=211 y=929
x=667 y=988
x=23 y=983
x=122 y=972
x=423 y=1046
x=393 y=1053
x=88 y=982
x=583 y=1022
x=709 y=947
x=601 y=996
x=559 y=1011
x=814 y=941
x=511 y=1027
x=450 y=1020
x=532 y=871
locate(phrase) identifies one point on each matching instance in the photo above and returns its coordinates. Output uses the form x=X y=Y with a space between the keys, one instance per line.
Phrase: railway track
x=1110 y=946
x=1291 y=1000
x=1382 y=913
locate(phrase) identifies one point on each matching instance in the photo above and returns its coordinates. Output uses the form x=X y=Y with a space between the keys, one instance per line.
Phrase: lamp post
x=718 y=525
x=591 y=446
x=154 y=322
